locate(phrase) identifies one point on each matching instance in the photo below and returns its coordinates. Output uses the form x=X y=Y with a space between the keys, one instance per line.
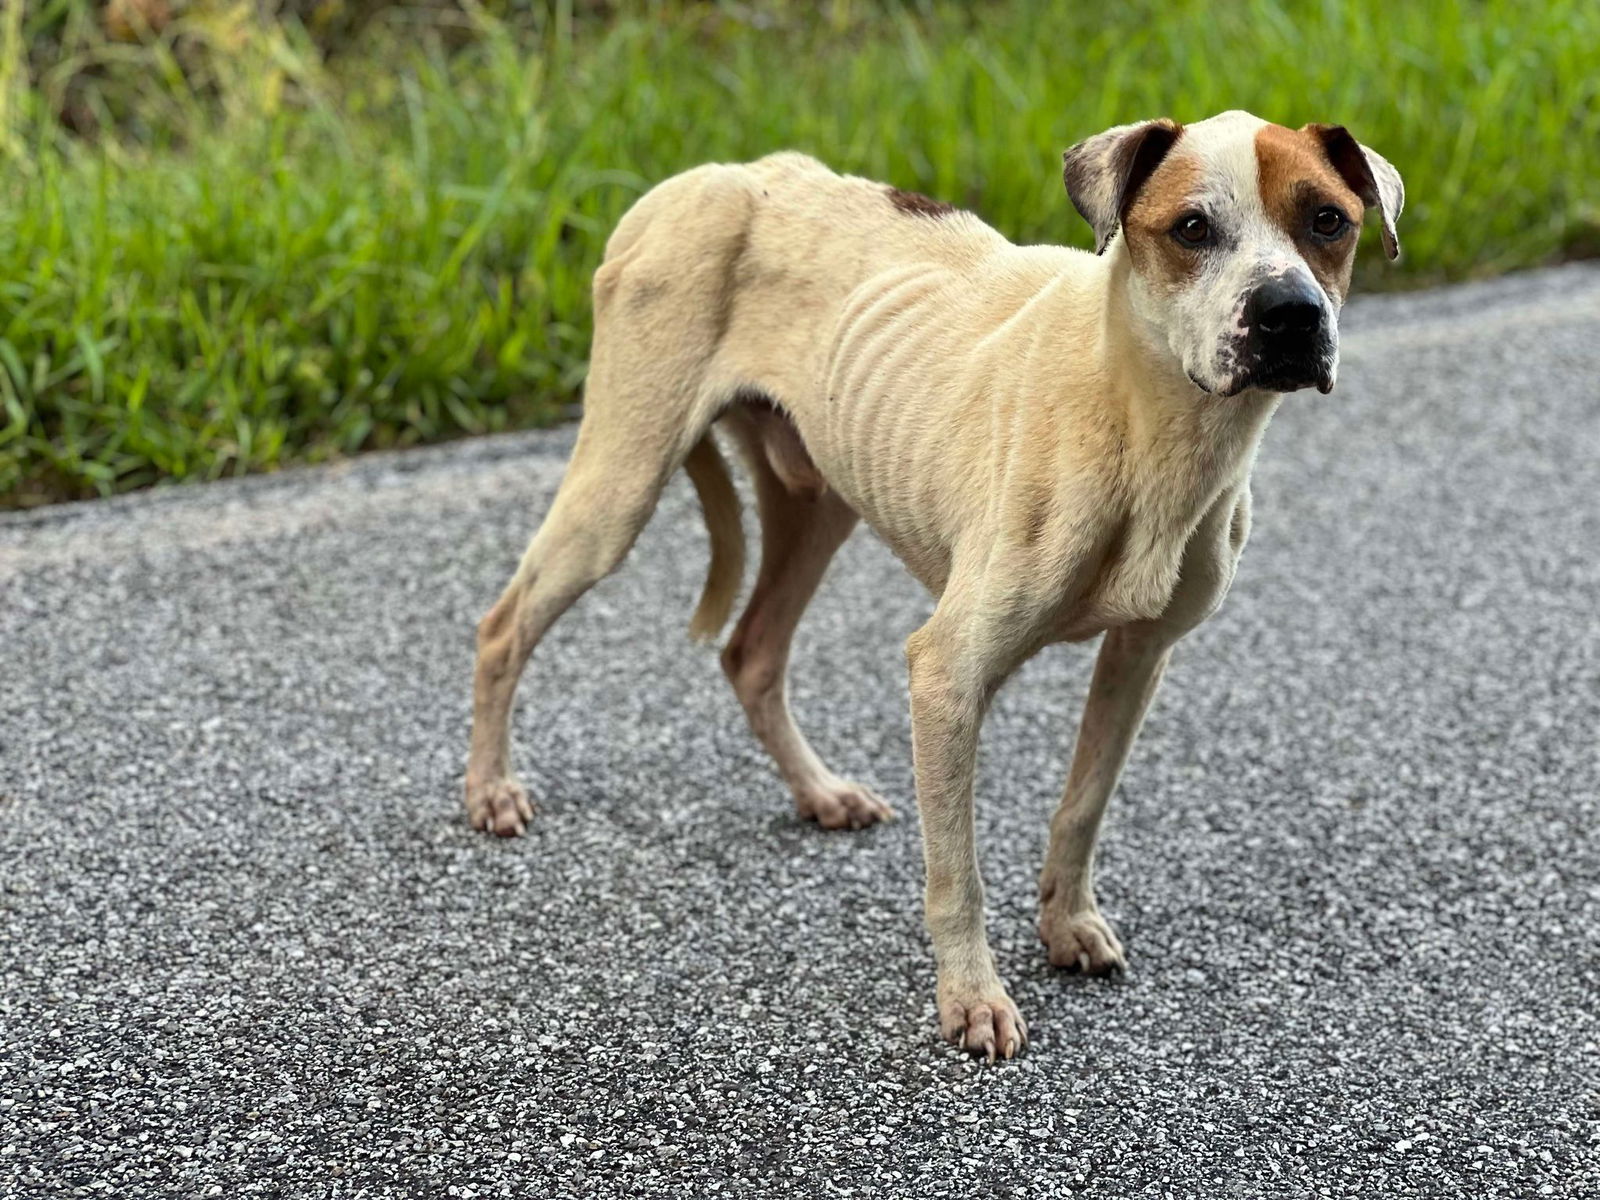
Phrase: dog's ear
x=1104 y=173
x=1368 y=175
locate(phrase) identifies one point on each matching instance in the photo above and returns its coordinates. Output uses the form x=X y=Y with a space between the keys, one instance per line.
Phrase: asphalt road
x=251 y=948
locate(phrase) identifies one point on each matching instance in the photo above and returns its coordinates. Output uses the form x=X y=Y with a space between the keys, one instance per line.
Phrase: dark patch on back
x=917 y=205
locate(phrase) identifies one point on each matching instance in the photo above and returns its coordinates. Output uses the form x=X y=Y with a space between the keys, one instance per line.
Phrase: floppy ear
x=1104 y=173
x=1369 y=176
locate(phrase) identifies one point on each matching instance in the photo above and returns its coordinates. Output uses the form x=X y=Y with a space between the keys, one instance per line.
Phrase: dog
x=1057 y=444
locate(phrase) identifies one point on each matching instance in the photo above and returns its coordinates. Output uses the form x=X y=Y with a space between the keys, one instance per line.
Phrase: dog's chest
x=1174 y=573
x=1129 y=583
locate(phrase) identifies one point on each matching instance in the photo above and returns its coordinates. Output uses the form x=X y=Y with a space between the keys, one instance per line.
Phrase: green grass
x=276 y=259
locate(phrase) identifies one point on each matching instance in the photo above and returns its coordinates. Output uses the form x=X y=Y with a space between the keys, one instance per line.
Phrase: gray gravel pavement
x=249 y=946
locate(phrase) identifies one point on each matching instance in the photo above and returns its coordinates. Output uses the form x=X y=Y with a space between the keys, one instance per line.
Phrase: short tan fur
x=1057 y=444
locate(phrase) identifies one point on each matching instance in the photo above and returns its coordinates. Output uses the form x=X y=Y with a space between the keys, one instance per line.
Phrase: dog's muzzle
x=1289 y=340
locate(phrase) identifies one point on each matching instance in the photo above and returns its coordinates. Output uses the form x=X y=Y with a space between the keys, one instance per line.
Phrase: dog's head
x=1242 y=236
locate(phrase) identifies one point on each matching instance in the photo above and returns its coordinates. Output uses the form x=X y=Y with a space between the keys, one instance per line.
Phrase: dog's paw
x=840 y=804
x=499 y=806
x=1081 y=941
x=982 y=1021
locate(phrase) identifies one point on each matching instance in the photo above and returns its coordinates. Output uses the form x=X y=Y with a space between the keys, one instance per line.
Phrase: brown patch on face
x=1167 y=195
x=917 y=205
x=1296 y=180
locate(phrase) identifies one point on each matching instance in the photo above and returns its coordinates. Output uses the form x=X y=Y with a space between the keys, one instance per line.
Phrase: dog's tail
x=708 y=471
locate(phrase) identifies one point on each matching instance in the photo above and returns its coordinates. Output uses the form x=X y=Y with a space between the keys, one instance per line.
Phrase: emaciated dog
x=1057 y=444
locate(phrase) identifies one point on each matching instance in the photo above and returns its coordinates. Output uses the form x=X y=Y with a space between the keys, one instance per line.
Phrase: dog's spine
x=719 y=502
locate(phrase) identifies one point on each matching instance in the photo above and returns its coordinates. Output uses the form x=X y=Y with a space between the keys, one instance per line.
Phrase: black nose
x=1285 y=309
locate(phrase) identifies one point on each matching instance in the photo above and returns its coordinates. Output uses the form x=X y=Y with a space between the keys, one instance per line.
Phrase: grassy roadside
x=285 y=259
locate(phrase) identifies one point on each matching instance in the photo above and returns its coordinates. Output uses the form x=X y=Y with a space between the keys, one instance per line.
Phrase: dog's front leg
x=953 y=675
x=1125 y=679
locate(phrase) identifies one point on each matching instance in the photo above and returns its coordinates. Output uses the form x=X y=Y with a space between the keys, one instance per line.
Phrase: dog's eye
x=1329 y=222
x=1192 y=230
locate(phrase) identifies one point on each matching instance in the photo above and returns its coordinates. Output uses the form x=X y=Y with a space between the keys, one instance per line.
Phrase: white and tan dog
x=1057 y=444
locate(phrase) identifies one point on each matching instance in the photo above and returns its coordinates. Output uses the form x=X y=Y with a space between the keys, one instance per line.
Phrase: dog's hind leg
x=800 y=532
x=662 y=301
x=602 y=504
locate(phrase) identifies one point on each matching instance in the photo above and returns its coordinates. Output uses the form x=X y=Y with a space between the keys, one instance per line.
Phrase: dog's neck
x=1160 y=408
